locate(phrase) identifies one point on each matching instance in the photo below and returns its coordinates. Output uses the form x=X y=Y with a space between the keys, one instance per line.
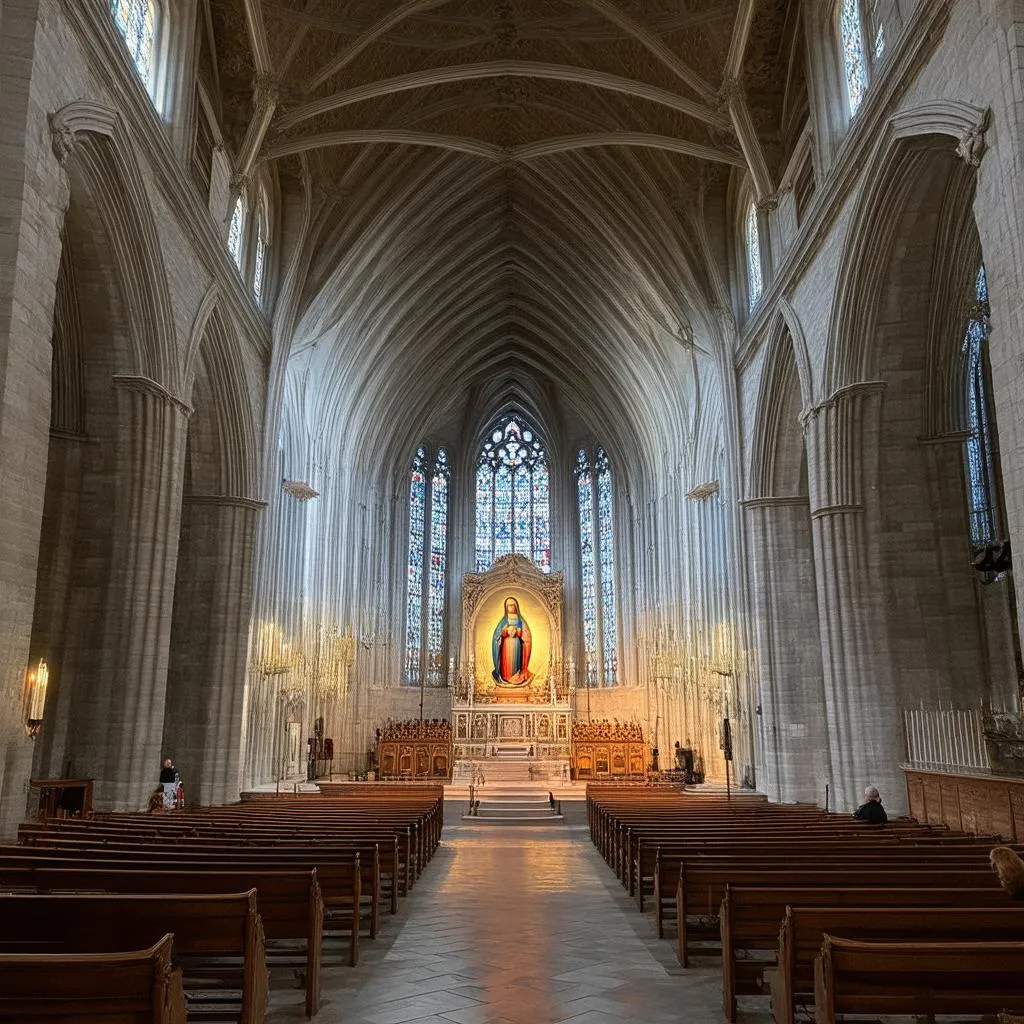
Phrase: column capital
x=145 y=385
x=237 y=501
x=776 y=501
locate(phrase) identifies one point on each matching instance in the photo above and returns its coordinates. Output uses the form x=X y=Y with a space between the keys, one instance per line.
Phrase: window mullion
x=595 y=519
x=428 y=526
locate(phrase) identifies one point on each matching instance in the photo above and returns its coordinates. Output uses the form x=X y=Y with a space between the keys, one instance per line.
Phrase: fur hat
x=1009 y=868
x=871 y=793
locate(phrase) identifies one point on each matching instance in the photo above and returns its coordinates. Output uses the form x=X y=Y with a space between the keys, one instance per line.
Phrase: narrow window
x=136 y=21
x=981 y=469
x=597 y=567
x=259 y=269
x=438 y=569
x=855 y=65
x=427 y=573
x=414 y=579
x=755 y=281
x=235 y=233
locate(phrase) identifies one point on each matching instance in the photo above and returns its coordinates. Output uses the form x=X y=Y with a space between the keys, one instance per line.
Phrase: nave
x=520 y=926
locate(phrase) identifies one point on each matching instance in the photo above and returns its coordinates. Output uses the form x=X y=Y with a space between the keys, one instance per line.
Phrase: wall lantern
x=35 y=697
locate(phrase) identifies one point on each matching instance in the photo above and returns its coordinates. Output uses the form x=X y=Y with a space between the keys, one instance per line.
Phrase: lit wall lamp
x=35 y=697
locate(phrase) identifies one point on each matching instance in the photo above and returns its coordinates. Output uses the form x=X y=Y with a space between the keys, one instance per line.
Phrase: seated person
x=871 y=811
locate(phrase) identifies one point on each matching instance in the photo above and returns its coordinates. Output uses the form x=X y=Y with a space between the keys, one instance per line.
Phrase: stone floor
x=521 y=925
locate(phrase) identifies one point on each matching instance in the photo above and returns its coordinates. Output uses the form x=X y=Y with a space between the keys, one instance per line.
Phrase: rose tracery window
x=594 y=498
x=513 y=500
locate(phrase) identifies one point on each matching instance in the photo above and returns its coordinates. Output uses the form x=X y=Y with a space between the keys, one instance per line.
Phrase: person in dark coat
x=871 y=811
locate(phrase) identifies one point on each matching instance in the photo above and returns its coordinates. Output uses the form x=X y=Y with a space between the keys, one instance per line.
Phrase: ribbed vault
x=501 y=190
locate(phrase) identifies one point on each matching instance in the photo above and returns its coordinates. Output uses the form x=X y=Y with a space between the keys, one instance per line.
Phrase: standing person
x=871 y=811
x=169 y=780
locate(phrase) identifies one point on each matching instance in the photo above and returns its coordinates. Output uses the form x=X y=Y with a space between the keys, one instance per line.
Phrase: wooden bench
x=750 y=919
x=290 y=903
x=124 y=988
x=339 y=874
x=804 y=928
x=225 y=927
x=701 y=888
x=917 y=978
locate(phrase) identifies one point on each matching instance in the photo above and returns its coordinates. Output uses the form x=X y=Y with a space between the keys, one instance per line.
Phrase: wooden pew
x=339 y=871
x=204 y=927
x=701 y=887
x=804 y=928
x=290 y=903
x=89 y=988
x=750 y=920
x=917 y=978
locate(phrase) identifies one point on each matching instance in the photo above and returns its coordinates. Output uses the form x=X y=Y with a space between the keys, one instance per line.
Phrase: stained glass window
x=755 y=281
x=606 y=537
x=235 y=233
x=136 y=21
x=588 y=565
x=260 y=262
x=513 y=501
x=597 y=568
x=854 y=61
x=428 y=569
x=981 y=470
x=414 y=581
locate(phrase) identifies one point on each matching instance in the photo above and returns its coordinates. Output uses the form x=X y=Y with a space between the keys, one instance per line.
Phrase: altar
x=513 y=695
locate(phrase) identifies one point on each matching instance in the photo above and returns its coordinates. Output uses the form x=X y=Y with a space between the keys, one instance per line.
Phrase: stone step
x=503 y=812
x=553 y=819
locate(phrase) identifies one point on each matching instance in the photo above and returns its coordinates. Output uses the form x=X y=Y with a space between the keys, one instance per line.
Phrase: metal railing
x=946 y=738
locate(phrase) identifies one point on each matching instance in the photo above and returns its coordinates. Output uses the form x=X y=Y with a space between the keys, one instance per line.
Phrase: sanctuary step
x=514 y=810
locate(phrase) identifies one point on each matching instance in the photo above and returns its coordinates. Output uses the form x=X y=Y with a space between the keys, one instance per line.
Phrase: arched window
x=259 y=267
x=428 y=545
x=236 y=232
x=855 y=64
x=513 y=499
x=136 y=21
x=597 y=564
x=752 y=237
x=981 y=470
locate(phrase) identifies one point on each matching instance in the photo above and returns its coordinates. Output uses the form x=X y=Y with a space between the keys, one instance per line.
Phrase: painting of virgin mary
x=511 y=645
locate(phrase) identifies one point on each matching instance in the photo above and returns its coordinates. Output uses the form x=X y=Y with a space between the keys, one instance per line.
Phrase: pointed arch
x=100 y=157
x=898 y=164
x=227 y=418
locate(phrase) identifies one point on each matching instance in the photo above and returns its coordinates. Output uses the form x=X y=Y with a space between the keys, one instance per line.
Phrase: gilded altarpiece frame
x=530 y=714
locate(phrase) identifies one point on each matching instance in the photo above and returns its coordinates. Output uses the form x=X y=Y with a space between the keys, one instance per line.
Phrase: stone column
x=152 y=429
x=209 y=645
x=865 y=721
x=33 y=198
x=795 y=741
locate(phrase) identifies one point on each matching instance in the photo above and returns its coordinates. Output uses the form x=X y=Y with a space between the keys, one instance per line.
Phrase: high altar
x=513 y=696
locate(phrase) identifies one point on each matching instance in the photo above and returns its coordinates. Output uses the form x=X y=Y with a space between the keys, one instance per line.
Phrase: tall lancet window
x=855 y=64
x=513 y=496
x=427 y=569
x=236 y=232
x=755 y=280
x=595 y=501
x=981 y=470
x=136 y=21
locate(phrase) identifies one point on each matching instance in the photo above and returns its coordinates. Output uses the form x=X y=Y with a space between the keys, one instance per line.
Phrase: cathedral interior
x=692 y=319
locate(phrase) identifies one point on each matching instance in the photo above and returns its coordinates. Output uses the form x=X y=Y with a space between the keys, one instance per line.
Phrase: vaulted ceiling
x=526 y=192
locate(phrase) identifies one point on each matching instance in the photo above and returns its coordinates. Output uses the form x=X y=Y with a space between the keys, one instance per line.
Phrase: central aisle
x=519 y=925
